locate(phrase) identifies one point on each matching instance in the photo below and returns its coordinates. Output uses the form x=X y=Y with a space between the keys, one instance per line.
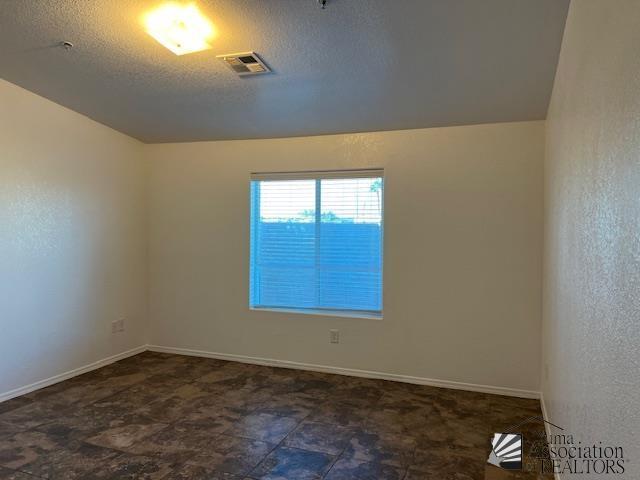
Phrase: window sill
x=322 y=313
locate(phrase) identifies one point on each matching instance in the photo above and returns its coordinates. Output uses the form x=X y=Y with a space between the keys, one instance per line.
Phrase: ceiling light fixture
x=180 y=28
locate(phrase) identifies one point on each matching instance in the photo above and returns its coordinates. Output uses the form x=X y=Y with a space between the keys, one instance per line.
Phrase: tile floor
x=160 y=416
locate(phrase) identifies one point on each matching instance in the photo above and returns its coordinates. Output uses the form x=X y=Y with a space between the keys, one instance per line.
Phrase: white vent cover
x=247 y=63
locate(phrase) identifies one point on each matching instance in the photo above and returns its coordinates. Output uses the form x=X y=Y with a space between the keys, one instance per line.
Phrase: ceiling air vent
x=247 y=63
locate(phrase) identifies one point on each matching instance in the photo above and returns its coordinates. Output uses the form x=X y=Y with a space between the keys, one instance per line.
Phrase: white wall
x=463 y=252
x=72 y=239
x=592 y=241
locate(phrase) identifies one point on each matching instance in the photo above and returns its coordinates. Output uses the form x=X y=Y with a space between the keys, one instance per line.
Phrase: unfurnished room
x=319 y=239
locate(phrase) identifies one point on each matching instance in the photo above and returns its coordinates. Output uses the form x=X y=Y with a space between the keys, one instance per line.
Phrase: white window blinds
x=316 y=241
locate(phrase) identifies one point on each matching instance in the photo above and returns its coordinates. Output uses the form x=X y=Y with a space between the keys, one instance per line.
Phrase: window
x=316 y=242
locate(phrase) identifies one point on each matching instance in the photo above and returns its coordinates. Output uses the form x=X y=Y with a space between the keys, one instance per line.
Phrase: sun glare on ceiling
x=180 y=28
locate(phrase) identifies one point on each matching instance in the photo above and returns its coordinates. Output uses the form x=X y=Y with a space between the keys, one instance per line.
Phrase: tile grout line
x=279 y=444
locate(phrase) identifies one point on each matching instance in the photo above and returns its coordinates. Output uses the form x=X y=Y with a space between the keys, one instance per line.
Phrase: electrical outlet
x=334 y=336
x=121 y=325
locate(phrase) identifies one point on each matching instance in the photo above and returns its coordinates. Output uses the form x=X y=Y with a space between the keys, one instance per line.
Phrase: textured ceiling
x=359 y=65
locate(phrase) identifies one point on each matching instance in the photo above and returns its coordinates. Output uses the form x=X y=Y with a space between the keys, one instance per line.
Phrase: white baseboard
x=512 y=392
x=70 y=374
x=543 y=407
x=472 y=387
x=547 y=427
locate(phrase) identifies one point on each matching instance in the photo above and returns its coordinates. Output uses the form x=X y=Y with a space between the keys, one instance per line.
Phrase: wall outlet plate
x=334 y=336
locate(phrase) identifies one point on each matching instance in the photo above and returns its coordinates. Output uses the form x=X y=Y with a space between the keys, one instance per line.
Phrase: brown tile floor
x=160 y=416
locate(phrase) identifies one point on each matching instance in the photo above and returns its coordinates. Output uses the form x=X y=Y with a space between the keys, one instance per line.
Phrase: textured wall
x=72 y=239
x=592 y=242
x=463 y=252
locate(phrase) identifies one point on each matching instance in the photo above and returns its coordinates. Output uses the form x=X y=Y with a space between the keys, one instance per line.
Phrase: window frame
x=318 y=176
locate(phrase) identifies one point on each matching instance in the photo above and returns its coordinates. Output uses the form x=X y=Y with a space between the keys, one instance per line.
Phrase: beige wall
x=463 y=252
x=72 y=239
x=462 y=248
x=592 y=243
